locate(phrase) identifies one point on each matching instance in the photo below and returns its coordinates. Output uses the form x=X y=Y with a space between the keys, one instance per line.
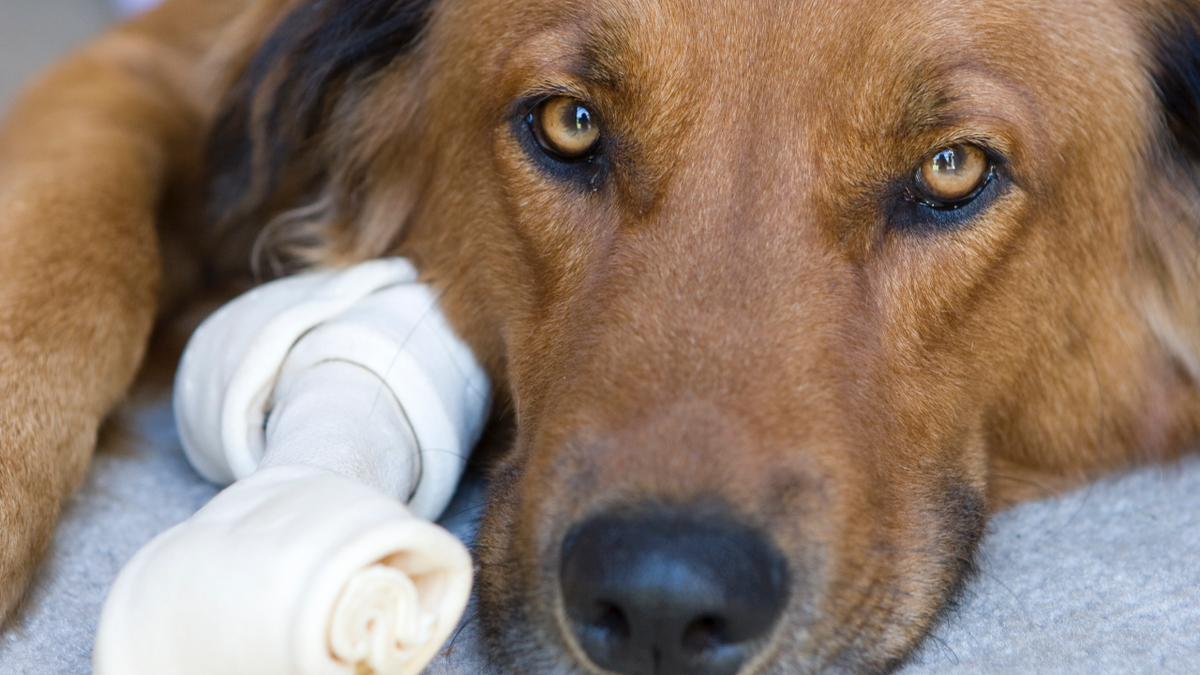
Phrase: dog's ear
x=1169 y=236
x=1175 y=50
x=264 y=151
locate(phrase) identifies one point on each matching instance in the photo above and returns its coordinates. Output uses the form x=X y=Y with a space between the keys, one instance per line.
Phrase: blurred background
x=35 y=32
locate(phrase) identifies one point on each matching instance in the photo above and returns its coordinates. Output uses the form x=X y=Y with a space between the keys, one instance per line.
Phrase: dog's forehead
x=791 y=45
x=859 y=67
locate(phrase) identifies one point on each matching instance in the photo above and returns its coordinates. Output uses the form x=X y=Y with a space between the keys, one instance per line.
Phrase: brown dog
x=784 y=297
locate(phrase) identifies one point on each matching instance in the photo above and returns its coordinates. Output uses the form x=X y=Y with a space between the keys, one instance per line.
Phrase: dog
x=782 y=298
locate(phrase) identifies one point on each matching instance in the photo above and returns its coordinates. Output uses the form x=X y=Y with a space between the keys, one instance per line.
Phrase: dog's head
x=784 y=295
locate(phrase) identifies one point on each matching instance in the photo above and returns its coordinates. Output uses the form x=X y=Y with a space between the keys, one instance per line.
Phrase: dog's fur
x=731 y=309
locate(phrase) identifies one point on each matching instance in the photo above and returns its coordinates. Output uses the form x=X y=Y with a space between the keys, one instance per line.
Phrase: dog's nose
x=665 y=594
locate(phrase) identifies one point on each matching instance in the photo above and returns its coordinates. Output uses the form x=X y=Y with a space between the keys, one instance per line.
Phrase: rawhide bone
x=341 y=407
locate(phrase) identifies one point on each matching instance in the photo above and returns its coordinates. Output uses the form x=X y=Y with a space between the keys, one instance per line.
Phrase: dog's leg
x=84 y=158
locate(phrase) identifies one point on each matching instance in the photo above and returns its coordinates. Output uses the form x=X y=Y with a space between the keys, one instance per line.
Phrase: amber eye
x=565 y=127
x=953 y=175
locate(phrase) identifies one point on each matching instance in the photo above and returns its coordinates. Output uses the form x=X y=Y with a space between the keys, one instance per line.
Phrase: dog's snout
x=668 y=594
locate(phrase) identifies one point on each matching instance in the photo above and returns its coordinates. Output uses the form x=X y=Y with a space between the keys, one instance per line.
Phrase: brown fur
x=725 y=321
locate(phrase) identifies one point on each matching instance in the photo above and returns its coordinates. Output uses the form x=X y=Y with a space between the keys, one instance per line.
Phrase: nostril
x=706 y=634
x=610 y=623
x=665 y=594
x=613 y=622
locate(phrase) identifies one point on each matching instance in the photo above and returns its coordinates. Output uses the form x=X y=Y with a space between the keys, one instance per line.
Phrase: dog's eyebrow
x=929 y=103
x=597 y=60
x=937 y=97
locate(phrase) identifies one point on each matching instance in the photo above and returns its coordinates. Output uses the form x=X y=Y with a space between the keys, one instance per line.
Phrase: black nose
x=669 y=594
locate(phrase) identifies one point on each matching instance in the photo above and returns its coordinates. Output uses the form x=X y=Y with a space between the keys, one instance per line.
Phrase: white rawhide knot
x=373 y=315
x=329 y=398
x=272 y=576
x=379 y=621
x=225 y=377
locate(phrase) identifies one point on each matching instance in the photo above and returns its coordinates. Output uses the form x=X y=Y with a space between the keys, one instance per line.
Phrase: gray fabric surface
x=1103 y=580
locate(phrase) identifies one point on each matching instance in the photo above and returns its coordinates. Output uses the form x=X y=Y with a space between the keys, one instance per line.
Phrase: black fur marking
x=281 y=102
x=1176 y=73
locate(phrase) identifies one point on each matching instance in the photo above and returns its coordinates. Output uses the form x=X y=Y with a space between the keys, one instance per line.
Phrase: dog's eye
x=565 y=128
x=952 y=176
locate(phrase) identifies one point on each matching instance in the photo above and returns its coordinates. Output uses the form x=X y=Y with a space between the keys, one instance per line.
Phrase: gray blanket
x=1103 y=580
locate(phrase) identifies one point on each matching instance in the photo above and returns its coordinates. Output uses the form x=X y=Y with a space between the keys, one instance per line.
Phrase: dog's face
x=785 y=296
